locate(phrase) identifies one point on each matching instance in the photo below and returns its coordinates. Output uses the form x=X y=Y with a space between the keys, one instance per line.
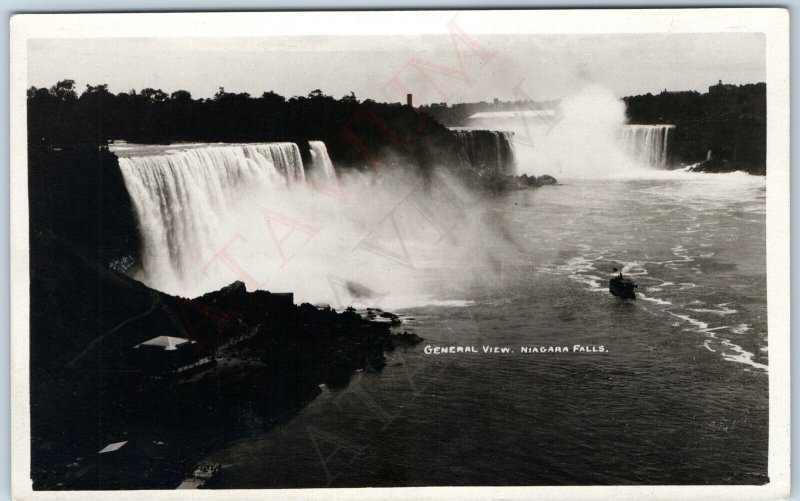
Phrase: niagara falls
x=539 y=261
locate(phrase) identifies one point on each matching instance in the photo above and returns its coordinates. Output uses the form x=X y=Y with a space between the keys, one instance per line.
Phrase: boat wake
x=663 y=297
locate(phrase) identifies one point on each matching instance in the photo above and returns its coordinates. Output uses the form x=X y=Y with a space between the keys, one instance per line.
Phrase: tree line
x=722 y=101
x=356 y=132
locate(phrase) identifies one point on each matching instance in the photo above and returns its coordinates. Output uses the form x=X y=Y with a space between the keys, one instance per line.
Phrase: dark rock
x=88 y=386
x=504 y=182
x=407 y=338
x=722 y=166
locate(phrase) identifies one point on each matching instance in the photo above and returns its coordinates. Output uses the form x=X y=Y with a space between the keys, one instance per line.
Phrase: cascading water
x=212 y=214
x=321 y=166
x=585 y=138
x=646 y=144
x=183 y=198
x=488 y=150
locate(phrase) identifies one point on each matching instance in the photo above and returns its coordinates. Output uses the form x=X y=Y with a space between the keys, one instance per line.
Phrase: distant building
x=720 y=87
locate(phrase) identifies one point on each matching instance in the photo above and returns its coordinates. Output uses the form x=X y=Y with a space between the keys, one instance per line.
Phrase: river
x=669 y=389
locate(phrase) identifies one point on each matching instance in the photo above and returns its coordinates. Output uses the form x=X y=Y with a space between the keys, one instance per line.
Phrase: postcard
x=412 y=254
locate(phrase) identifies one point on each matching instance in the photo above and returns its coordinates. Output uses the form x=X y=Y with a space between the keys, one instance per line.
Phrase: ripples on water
x=715 y=255
x=679 y=395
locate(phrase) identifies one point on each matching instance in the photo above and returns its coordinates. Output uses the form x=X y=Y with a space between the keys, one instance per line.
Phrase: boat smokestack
x=410 y=100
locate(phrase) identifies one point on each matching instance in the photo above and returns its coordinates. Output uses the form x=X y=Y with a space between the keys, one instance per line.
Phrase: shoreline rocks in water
x=506 y=182
x=718 y=166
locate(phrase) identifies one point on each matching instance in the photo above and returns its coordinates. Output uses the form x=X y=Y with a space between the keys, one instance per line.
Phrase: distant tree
x=270 y=95
x=37 y=94
x=180 y=95
x=100 y=90
x=64 y=90
x=154 y=95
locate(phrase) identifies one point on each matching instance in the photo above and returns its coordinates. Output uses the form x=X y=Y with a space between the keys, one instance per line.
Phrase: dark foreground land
x=253 y=359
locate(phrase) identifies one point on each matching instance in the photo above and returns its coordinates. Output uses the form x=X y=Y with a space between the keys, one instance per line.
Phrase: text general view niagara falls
x=487 y=349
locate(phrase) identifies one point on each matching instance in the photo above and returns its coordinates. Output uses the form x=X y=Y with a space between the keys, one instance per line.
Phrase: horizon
x=78 y=90
x=433 y=68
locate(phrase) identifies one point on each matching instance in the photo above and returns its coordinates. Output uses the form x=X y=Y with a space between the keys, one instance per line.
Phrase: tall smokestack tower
x=410 y=100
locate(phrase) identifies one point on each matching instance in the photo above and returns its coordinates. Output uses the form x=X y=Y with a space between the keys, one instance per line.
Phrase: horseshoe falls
x=646 y=144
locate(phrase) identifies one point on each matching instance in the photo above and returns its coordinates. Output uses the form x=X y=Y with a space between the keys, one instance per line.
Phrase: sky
x=385 y=68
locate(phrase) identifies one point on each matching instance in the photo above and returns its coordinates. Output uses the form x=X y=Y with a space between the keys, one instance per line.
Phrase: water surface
x=678 y=394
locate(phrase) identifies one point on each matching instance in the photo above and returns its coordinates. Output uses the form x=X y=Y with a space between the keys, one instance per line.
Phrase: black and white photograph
x=307 y=253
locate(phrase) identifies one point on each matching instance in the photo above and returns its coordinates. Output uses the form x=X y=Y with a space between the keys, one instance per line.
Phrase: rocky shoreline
x=498 y=182
x=238 y=363
x=717 y=166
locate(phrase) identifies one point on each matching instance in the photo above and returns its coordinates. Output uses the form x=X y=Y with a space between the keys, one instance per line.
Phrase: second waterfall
x=646 y=143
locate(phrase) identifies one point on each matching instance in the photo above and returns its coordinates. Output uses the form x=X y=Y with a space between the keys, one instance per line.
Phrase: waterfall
x=184 y=196
x=209 y=214
x=646 y=143
x=321 y=166
x=487 y=150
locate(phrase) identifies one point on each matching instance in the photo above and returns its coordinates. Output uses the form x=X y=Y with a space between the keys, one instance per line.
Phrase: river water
x=669 y=389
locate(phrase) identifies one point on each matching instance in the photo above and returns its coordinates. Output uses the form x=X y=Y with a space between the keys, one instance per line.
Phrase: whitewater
x=212 y=214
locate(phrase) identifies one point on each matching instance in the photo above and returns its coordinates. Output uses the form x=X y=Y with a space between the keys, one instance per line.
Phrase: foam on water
x=702 y=326
x=661 y=295
x=739 y=355
x=583 y=269
x=722 y=310
x=653 y=300
x=741 y=329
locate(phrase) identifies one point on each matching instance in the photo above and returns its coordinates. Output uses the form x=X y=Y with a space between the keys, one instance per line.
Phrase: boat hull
x=622 y=288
